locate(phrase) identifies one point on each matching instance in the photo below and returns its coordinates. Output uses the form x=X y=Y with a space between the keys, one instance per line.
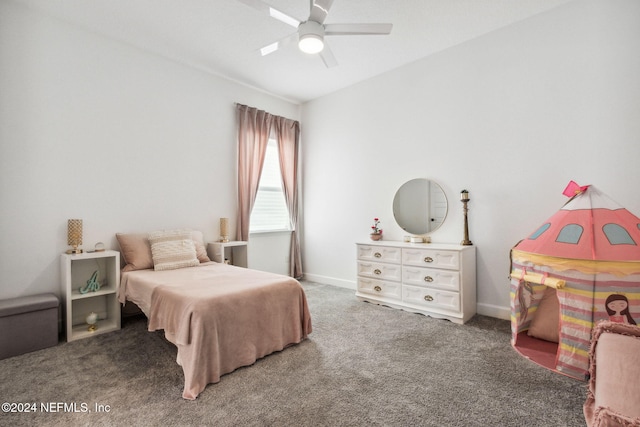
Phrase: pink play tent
x=579 y=267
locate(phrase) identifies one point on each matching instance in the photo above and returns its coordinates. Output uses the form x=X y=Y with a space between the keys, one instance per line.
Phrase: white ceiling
x=223 y=36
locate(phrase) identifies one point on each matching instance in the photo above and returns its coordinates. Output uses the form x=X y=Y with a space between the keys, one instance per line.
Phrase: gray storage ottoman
x=28 y=324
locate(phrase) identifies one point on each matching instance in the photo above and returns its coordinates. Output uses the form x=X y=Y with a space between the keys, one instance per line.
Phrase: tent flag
x=572 y=189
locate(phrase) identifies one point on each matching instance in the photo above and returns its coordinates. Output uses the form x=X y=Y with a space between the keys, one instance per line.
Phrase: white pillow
x=172 y=249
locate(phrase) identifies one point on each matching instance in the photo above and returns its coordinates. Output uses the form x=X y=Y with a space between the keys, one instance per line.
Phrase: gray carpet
x=363 y=365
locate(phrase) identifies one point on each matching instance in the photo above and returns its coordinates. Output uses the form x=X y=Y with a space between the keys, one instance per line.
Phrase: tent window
x=570 y=233
x=617 y=235
x=539 y=231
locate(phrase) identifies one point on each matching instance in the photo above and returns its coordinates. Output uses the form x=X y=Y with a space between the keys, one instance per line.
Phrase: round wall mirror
x=420 y=206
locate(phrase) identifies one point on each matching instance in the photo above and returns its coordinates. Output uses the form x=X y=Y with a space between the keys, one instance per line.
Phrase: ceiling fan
x=311 y=32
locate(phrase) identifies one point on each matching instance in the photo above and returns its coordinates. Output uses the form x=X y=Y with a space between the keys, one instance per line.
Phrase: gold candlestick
x=464 y=198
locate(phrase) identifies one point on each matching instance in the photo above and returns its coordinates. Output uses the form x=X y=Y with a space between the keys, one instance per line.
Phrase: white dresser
x=434 y=279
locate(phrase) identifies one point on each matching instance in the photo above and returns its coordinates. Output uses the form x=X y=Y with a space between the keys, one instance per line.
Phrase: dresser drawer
x=431 y=258
x=380 y=254
x=380 y=288
x=448 y=280
x=431 y=298
x=377 y=270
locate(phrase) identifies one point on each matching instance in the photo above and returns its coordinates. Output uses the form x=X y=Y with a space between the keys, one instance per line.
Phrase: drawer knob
x=428 y=298
x=428 y=259
x=377 y=255
x=377 y=271
x=377 y=289
x=428 y=279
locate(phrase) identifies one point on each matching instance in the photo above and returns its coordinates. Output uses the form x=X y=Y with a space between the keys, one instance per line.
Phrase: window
x=270 y=211
x=539 y=231
x=617 y=235
x=570 y=233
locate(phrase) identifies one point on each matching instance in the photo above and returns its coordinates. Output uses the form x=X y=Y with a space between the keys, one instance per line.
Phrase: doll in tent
x=617 y=307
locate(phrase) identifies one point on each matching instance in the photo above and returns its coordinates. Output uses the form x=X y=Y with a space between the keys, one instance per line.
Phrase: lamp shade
x=224 y=229
x=74 y=235
x=74 y=232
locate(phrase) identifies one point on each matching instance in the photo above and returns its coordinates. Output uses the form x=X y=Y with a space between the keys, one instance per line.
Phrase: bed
x=220 y=317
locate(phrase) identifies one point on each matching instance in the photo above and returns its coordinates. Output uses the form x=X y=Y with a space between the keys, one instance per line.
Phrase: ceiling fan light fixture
x=311 y=37
x=311 y=44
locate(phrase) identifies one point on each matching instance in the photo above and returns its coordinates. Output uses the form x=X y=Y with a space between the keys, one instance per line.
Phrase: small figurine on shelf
x=92 y=319
x=376 y=233
x=92 y=284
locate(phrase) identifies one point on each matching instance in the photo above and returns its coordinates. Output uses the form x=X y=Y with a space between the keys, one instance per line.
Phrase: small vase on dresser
x=438 y=280
x=376 y=236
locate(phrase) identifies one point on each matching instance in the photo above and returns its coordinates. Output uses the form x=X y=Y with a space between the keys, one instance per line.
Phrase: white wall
x=270 y=252
x=511 y=116
x=126 y=140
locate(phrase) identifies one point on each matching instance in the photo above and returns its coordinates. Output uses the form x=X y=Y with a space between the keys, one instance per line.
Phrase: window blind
x=270 y=211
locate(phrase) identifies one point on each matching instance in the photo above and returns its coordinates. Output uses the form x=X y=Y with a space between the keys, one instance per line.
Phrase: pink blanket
x=223 y=317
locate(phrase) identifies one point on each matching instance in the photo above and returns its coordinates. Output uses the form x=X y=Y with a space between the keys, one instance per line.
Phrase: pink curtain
x=254 y=128
x=288 y=135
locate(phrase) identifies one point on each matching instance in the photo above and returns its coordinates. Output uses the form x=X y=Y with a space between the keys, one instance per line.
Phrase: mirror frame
x=416 y=206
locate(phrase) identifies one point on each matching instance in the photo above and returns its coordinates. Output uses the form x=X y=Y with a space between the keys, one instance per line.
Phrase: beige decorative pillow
x=135 y=250
x=173 y=249
x=201 y=250
x=545 y=325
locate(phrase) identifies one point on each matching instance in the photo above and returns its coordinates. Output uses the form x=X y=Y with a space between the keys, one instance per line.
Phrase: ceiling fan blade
x=320 y=10
x=327 y=56
x=272 y=12
x=270 y=48
x=355 y=29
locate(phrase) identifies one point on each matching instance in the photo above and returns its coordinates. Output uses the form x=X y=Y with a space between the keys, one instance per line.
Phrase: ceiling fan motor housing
x=310 y=37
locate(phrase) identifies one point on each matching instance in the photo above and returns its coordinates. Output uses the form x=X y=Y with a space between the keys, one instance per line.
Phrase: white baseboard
x=483 y=309
x=494 y=311
x=348 y=284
